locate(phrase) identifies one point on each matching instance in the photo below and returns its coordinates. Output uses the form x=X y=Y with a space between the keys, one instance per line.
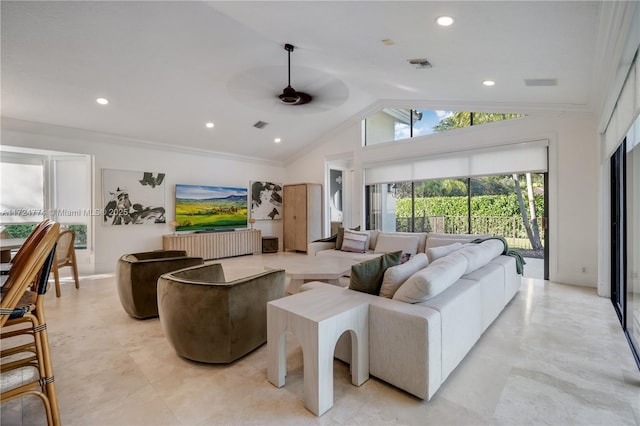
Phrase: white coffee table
x=301 y=269
x=318 y=319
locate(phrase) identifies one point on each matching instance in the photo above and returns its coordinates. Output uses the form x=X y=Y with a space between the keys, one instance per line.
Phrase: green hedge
x=23 y=231
x=482 y=205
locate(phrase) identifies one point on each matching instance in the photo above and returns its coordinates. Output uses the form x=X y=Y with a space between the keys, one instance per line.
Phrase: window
x=510 y=206
x=393 y=124
x=22 y=189
x=42 y=185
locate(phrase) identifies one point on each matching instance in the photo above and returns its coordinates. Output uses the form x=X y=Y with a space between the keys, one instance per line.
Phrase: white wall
x=111 y=152
x=573 y=177
x=573 y=174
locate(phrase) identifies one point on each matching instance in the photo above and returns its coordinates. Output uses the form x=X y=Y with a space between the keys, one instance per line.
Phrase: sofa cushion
x=491 y=280
x=355 y=241
x=373 y=238
x=395 y=276
x=367 y=276
x=435 y=253
x=460 y=309
x=432 y=280
x=388 y=243
x=480 y=254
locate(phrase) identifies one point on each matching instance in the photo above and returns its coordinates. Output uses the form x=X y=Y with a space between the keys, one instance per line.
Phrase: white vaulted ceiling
x=167 y=68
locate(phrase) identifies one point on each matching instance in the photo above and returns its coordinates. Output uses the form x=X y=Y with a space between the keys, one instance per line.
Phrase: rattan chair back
x=65 y=256
x=26 y=268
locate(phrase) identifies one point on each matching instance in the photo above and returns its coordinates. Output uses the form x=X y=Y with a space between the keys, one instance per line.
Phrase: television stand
x=215 y=245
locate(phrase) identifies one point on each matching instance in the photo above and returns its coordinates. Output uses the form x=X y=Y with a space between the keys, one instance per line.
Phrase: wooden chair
x=20 y=306
x=65 y=256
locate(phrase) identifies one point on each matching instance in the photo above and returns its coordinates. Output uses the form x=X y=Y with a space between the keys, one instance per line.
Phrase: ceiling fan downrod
x=289 y=95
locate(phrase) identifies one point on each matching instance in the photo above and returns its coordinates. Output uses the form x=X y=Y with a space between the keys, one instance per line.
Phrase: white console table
x=215 y=245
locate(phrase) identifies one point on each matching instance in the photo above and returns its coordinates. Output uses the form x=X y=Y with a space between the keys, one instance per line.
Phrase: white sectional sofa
x=415 y=346
x=380 y=242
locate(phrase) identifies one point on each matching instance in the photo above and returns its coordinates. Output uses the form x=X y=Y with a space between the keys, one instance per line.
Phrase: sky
x=199 y=192
x=424 y=126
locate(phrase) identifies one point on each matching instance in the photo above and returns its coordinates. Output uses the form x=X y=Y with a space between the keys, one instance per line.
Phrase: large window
x=392 y=124
x=22 y=189
x=511 y=206
x=38 y=185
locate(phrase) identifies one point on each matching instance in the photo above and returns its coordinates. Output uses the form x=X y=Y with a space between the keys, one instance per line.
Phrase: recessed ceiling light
x=102 y=101
x=489 y=83
x=444 y=21
x=209 y=125
x=277 y=140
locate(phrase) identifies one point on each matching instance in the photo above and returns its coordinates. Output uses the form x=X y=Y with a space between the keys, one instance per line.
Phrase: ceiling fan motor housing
x=289 y=96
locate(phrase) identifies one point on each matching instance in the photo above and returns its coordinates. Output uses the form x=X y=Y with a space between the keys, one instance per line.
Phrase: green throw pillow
x=340 y=236
x=367 y=276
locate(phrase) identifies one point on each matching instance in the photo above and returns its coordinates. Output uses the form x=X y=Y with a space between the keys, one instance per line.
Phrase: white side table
x=318 y=318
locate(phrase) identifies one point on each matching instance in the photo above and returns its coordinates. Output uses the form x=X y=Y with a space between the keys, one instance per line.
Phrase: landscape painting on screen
x=210 y=208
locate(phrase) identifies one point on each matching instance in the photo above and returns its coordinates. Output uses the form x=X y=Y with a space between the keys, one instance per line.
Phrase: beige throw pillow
x=355 y=241
x=395 y=276
x=480 y=254
x=435 y=253
x=432 y=280
x=340 y=236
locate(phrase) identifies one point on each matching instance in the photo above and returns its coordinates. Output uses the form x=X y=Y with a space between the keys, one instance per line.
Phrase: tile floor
x=556 y=355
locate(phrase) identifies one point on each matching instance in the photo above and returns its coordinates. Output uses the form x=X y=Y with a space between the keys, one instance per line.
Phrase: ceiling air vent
x=260 y=124
x=541 y=82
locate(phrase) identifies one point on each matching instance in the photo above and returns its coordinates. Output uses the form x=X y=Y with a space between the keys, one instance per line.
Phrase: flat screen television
x=210 y=208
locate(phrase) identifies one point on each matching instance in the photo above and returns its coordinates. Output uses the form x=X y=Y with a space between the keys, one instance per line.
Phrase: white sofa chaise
x=415 y=346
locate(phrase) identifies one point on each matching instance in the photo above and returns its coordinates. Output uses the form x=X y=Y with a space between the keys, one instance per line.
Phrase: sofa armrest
x=315 y=247
x=405 y=346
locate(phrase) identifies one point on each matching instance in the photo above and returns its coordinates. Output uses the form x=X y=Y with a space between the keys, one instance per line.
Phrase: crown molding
x=45 y=129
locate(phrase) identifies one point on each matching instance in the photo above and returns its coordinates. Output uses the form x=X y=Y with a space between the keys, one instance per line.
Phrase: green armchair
x=137 y=278
x=207 y=319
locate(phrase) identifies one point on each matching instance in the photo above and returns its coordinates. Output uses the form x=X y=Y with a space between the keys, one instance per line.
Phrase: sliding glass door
x=633 y=248
x=510 y=206
x=618 y=232
x=625 y=240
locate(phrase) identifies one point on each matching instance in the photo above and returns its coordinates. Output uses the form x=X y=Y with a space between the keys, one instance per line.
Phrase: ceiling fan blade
x=254 y=87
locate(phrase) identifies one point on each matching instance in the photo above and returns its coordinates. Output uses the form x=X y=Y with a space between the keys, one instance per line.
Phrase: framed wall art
x=133 y=198
x=266 y=200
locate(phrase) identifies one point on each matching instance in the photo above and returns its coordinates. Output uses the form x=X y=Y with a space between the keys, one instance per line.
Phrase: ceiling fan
x=289 y=95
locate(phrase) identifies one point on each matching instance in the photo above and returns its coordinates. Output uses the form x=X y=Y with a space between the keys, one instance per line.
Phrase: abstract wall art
x=266 y=200
x=133 y=198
